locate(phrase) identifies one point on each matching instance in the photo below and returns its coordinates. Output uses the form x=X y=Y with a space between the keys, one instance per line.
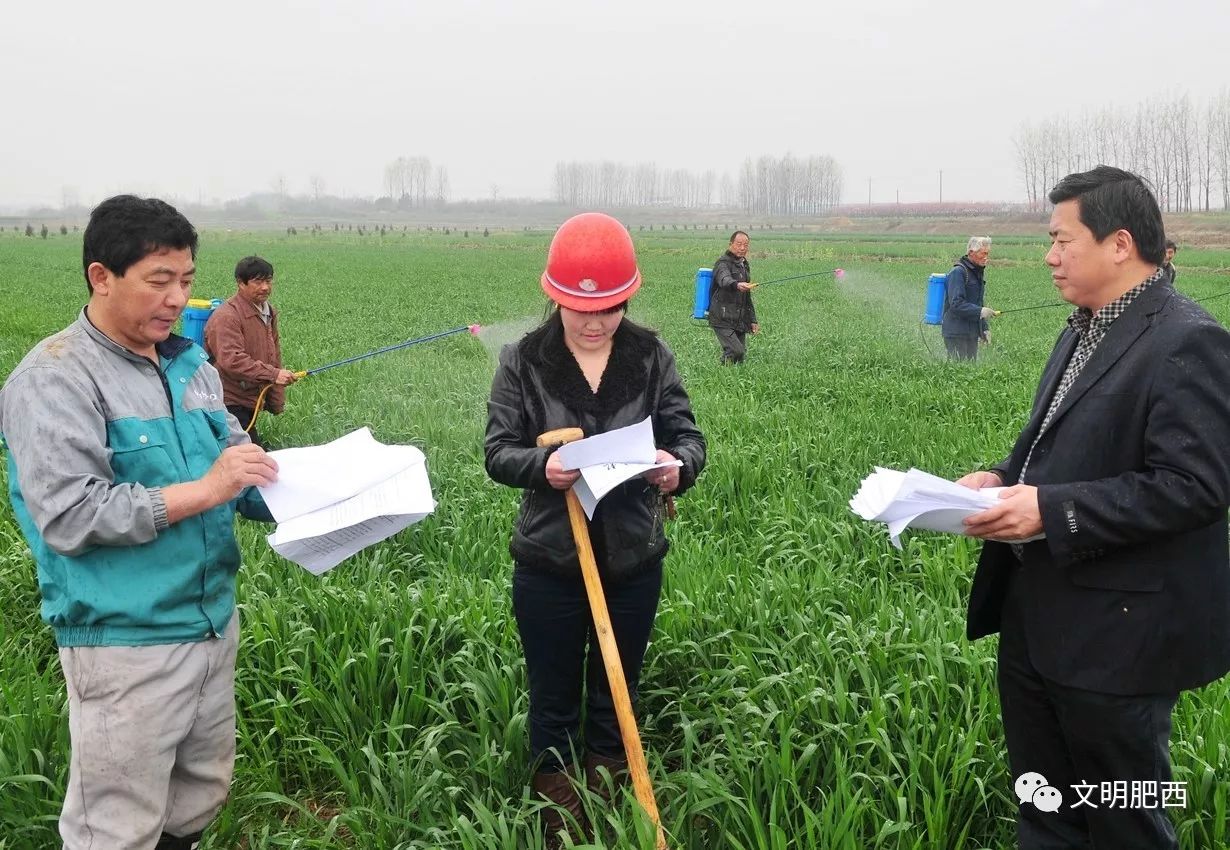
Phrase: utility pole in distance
x=941 y=185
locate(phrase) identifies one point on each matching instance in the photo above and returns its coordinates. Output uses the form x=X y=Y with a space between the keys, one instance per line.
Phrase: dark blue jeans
x=562 y=658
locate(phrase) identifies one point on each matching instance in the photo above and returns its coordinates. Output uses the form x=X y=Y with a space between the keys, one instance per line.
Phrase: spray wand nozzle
x=472 y=329
x=837 y=273
x=260 y=399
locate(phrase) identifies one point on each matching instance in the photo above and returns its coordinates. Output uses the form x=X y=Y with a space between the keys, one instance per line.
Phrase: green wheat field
x=807 y=685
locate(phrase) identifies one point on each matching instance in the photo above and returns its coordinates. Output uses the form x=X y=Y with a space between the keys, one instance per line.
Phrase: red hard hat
x=591 y=264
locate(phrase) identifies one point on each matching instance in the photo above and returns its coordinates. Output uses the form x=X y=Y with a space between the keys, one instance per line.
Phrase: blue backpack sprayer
x=195 y=315
x=937 y=294
x=937 y=299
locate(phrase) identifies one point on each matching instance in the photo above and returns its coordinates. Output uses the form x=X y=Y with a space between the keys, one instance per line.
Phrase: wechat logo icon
x=1032 y=788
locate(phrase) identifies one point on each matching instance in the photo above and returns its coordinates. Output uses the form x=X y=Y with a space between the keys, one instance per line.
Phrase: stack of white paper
x=917 y=499
x=609 y=459
x=331 y=501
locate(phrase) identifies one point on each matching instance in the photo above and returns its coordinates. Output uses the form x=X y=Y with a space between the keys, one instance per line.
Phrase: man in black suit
x=1125 y=466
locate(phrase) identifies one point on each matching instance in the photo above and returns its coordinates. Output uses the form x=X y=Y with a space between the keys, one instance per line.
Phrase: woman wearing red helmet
x=586 y=366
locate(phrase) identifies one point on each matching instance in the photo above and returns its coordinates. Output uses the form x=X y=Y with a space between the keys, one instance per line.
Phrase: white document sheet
x=598 y=480
x=633 y=444
x=917 y=499
x=313 y=477
x=607 y=460
x=336 y=499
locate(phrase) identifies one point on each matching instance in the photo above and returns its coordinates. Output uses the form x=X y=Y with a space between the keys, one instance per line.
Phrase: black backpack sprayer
x=704 y=287
x=260 y=399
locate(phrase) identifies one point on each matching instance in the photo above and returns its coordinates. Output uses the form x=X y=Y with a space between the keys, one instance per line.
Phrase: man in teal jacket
x=125 y=472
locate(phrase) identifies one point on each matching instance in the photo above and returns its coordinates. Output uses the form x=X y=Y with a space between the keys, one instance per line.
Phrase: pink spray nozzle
x=839 y=273
x=474 y=329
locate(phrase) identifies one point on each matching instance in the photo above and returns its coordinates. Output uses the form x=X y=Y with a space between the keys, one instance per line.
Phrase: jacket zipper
x=166 y=388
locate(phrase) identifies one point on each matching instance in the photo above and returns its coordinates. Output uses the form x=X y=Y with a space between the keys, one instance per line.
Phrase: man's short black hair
x=1171 y=246
x=125 y=229
x=253 y=268
x=737 y=234
x=1112 y=199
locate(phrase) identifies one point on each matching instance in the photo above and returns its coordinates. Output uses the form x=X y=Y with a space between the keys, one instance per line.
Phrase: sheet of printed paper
x=318 y=555
x=632 y=444
x=313 y=477
x=917 y=499
x=336 y=499
x=596 y=481
x=406 y=493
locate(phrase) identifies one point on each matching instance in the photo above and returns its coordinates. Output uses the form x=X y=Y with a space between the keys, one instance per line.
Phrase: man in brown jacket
x=242 y=340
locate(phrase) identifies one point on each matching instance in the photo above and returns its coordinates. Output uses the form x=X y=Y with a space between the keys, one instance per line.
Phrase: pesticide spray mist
x=495 y=337
x=398 y=391
x=900 y=305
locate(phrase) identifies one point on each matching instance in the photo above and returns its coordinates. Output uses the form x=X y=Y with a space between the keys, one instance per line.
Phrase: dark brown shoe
x=617 y=767
x=557 y=788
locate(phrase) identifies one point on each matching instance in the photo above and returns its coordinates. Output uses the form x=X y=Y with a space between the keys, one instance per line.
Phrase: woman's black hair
x=549 y=335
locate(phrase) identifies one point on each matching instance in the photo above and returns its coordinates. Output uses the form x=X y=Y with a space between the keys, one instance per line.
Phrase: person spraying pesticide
x=731 y=312
x=966 y=321
x=245 y=347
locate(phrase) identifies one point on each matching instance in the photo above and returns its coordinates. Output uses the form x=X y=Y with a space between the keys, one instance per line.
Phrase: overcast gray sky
x=216 y=99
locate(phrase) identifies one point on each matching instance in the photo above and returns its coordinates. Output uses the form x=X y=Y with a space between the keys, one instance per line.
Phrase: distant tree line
x=789 y=186
x=412 y=181
x=615 y=184
x=1182 y=148
x=768 y=185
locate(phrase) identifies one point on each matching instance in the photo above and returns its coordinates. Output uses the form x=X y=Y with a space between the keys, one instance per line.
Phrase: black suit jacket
x=1130 y=591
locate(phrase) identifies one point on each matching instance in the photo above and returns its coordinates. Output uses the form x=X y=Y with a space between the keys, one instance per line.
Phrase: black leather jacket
x=539 y=387
x=728 y=307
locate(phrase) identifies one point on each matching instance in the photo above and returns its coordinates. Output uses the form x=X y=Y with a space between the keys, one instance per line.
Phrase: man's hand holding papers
x=981 y=479
x=1015 y=517
x=916 y=499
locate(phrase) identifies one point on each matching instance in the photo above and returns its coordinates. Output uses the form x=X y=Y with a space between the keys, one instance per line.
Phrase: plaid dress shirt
x=1091 y=327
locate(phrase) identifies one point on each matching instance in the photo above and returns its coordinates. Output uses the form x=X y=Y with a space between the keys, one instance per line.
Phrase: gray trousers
x=153 y=740
x=961 y=347
x=733 y=342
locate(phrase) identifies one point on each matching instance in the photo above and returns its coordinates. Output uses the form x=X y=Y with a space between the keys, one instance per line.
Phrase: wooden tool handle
x=560 y=436
x=637 y=767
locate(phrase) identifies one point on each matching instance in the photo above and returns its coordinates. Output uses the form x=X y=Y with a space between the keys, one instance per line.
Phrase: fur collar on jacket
x=624 y=379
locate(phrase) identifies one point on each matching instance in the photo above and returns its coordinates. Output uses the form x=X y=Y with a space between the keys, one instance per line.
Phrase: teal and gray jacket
x=93 y=433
